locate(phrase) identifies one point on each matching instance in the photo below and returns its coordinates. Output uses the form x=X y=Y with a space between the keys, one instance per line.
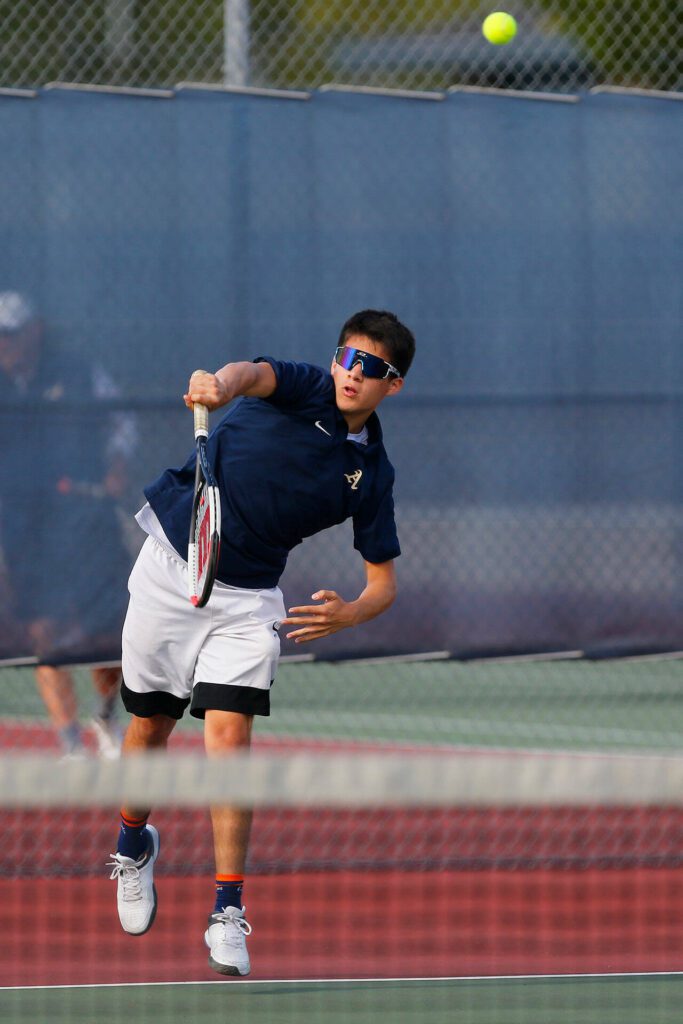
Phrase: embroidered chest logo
x=354 y=478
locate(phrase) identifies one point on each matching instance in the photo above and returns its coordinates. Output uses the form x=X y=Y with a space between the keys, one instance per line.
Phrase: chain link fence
x=533 y=246
x=289 y=44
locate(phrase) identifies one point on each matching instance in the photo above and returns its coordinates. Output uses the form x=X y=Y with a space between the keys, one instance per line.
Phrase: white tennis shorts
x=222 y=656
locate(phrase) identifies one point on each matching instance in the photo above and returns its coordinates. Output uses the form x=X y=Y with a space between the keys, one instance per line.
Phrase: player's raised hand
x=319 y=620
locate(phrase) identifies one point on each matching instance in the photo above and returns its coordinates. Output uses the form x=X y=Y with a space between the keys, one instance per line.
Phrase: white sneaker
x=136 y=896
x=226 y=938
x=108 y=736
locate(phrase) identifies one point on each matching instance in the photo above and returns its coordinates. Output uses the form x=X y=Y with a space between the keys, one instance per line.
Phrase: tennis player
x=302 y=451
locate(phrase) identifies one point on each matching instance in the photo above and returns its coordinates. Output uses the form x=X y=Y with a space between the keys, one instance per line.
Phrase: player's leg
x=162 y=635
x=233 y=676
x=107 y=686
x=144 y=734
x=137 y=847
x=57 y=690
x=225 y=732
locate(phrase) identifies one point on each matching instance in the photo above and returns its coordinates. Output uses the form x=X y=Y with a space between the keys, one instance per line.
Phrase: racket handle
x=201 y=420
x=201 y=415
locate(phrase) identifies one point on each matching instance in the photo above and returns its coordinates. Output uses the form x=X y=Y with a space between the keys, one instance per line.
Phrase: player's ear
x=395 y=385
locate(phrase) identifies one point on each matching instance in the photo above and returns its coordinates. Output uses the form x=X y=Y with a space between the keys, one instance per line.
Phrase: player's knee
x=226 y=730
x=152 y=731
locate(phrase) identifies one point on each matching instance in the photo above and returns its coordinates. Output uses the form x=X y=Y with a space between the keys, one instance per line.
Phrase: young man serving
x=302 y=451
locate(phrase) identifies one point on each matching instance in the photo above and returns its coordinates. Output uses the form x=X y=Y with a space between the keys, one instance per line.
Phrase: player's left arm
x=334 y=613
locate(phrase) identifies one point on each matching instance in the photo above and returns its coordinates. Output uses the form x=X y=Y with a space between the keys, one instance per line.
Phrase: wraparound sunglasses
x=371 y=366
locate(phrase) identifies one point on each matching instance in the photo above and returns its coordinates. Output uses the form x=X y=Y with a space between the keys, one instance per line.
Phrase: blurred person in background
x=63 y=473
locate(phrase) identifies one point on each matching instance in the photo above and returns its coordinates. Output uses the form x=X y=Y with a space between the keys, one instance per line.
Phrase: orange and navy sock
x=132 y=836
x=228 y=892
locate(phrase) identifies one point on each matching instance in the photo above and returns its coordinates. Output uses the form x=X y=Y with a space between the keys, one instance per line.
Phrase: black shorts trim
x=247 y=700
x=145 y=705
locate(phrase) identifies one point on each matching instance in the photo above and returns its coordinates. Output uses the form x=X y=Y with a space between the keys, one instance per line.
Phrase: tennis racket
x=205 y=525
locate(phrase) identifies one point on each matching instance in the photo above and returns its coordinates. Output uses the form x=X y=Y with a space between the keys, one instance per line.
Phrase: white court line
x=354 y=981
x=513 y=659
x=462 y=662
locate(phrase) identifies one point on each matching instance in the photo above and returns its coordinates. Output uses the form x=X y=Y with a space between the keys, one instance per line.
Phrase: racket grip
x=201 y=420
x=201 y=415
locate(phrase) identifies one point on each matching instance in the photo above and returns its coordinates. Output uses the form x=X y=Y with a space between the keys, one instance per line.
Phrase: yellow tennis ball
x=499 y=28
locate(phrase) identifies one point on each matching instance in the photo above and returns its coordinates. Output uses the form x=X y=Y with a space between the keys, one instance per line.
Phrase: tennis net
x=477 y=887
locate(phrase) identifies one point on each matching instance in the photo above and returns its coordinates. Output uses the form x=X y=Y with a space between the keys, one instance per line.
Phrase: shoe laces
x=228 y=917
x=129 y=874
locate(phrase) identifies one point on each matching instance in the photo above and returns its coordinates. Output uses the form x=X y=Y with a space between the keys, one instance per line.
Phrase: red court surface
x=353 y=924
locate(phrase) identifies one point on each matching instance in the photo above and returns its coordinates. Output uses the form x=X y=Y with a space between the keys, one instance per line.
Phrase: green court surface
x=556 y=704
x=636 y=999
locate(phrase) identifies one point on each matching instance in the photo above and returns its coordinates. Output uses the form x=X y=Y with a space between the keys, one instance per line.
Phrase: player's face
x=357 y=396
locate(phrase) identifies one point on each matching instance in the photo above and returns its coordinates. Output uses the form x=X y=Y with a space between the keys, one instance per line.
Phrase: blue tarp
x=533 y=245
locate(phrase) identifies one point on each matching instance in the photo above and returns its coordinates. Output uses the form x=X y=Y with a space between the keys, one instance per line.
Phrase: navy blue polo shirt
x=286 y=470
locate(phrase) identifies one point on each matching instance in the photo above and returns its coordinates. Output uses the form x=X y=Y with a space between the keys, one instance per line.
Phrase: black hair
x=385 y=329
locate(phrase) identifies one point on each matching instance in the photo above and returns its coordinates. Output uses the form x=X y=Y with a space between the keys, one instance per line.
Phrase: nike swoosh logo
x=321 y=427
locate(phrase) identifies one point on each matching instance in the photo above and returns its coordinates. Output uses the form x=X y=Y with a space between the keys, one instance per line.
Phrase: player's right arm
x=232 y=381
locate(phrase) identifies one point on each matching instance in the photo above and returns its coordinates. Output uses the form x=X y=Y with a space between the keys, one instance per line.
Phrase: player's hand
x=319 y=620
x=209 y=390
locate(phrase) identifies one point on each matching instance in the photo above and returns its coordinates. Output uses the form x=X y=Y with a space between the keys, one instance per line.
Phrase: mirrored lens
x=372 y=366
x=346 y=357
